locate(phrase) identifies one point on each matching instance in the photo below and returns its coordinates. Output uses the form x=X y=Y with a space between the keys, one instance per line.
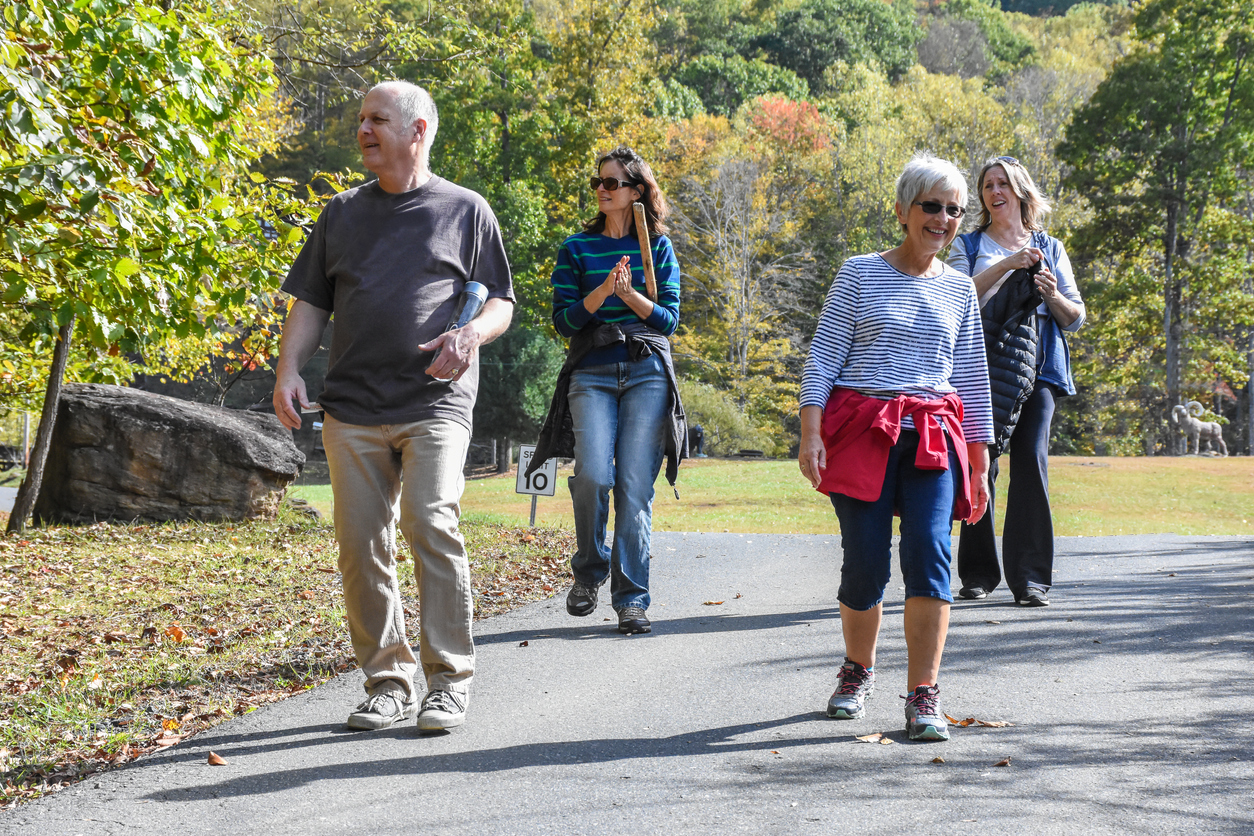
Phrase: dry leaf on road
x=938 y=759
x=522 y=644
x=971 y=721
x=712 y=603
x=1003 y=762
x=216 y=760
x=871 y=738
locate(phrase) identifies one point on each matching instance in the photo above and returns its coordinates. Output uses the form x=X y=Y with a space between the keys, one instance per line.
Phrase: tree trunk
x=24 y=504
x=505 y=455
x=1249 y=393
x=1172 y=329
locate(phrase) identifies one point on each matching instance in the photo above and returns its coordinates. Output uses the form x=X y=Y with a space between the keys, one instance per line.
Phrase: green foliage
x=1007 y=49
x=124 y=204
x=815 y=35
x=727 y=430
x=516 y=375
x=1167 y=136
x=723 y=84
x=672 y=100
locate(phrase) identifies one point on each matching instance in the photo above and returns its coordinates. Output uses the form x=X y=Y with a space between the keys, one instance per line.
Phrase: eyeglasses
x=610 y=184
x=1010 y=160
x=932 y=207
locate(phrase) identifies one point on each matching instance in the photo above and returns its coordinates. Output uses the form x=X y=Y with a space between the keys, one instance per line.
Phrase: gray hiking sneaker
x=387 y=704
x=581 y=600
x=442 y=710
x=924 y=719
x=855 y=684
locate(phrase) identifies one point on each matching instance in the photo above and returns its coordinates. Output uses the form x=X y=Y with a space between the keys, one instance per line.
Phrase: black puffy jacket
x=1011 y=340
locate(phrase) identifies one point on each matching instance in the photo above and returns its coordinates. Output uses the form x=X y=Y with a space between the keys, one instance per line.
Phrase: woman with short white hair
x=896 y=418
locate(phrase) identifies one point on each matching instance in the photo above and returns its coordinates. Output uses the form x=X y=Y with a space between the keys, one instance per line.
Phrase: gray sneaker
x=924 y=718
x=581 y=600
x=442 y=710
x=388 y=703
x=855 y=684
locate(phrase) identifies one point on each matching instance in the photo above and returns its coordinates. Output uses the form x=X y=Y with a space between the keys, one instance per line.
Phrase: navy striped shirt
x=884 y=333
x=583 y=262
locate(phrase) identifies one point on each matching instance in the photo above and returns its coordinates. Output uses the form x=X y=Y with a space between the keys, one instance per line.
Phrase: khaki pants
x=414 y=472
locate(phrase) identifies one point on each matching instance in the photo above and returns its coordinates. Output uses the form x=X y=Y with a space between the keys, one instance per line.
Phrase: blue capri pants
x=925 y=500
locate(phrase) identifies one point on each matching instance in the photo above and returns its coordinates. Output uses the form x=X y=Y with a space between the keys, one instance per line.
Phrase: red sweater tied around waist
x=858 y=431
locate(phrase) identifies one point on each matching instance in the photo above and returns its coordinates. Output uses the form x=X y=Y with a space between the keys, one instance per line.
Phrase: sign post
x=542 y=482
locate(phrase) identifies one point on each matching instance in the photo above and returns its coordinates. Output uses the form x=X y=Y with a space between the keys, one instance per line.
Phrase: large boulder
x=120 y=453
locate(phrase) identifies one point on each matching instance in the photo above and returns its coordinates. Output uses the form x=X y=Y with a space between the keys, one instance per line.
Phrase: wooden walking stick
x=646 y=249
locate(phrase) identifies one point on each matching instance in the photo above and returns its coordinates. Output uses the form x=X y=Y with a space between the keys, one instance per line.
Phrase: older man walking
x=389 y=260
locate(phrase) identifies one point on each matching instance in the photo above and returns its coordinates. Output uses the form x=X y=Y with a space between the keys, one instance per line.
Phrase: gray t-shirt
x=390 y=267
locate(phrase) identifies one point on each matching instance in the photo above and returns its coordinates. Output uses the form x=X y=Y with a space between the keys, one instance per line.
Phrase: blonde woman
x=1009 y=236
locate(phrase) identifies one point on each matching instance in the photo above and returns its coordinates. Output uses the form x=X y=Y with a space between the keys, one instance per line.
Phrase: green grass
x=120 y=639
x=1090 y=496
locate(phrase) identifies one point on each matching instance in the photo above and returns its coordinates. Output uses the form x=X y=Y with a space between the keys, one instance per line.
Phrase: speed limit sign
x=542 y=481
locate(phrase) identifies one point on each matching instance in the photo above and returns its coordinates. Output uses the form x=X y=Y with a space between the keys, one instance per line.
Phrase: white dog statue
x=1186 y=417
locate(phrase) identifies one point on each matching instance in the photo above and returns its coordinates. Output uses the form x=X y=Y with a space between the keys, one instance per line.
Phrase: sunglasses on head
x=931 y=207
x=1010 y=160
x=610 y=184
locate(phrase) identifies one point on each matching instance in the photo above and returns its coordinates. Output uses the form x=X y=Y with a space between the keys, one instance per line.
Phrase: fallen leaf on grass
x=1003 y=762
x=170 y=724
x=987 y=724
x=96 y=683
x=176 y=632
x=712 y=603
x=216 y=760
x=307 y=594
x=329 y=570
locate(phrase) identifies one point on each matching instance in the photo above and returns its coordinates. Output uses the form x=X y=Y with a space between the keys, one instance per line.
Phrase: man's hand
x=286 y=389
x=302 y=331
x=455 y=351
x=458 y=348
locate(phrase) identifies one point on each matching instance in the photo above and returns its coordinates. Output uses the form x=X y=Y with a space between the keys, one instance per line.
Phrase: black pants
x=1028 y=538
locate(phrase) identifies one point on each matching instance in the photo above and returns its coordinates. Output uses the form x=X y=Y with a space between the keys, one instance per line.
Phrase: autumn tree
x=1161 y=139
x=126 y=211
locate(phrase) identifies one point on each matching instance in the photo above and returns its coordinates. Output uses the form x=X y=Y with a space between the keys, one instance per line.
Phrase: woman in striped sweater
x=619 y=384
x=896 y=418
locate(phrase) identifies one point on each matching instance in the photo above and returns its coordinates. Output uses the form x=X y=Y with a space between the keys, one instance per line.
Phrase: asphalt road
x=1131 y=699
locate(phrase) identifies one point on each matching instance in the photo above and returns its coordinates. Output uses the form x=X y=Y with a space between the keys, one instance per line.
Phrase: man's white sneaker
x=442 y=710
x=387 y=704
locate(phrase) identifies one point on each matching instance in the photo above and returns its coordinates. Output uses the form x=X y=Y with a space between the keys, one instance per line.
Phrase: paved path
x=1132 y=700
x=7 y=496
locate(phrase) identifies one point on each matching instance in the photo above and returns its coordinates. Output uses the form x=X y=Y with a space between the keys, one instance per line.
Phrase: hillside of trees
x=776 y=127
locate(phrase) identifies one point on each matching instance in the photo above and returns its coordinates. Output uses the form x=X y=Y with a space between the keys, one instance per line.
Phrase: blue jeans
x=619 y=414
x=925 y=499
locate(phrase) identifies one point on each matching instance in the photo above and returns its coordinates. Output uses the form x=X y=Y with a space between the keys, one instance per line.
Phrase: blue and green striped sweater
x=583 y=262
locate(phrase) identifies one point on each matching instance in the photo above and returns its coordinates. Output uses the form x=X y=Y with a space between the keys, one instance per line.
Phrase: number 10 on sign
x=541 y=482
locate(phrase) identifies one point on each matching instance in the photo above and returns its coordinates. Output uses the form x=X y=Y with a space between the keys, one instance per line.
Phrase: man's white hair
x=414 y=103
x=925 y=172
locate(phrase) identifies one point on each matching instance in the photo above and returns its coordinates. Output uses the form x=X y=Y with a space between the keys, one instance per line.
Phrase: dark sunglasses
x=1010 y=160
x=611 y=184
x=932 y=207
